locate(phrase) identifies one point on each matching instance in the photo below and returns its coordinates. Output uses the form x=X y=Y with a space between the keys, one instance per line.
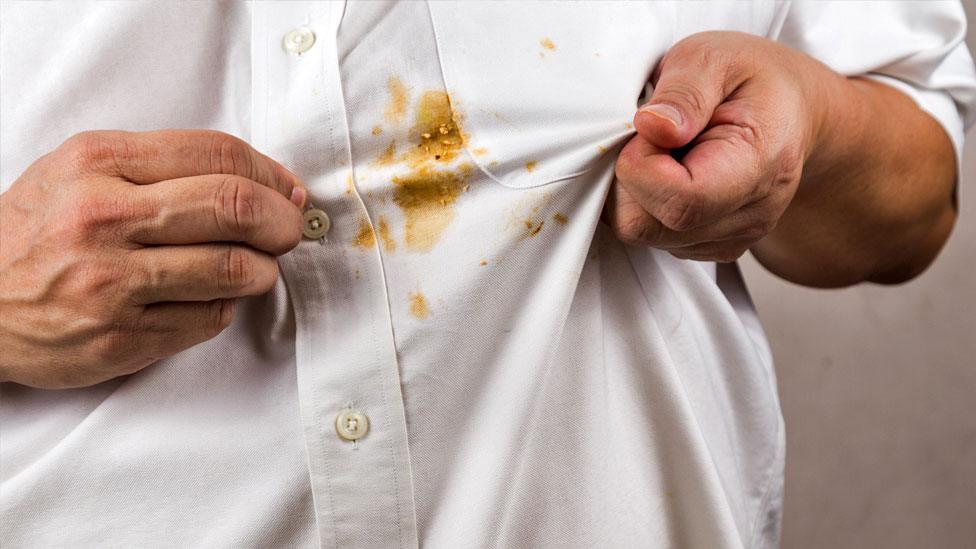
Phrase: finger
x=722 y=252
x=168 y=328
x=215 y=208
x=150 y=157
x=201 y=272
x=690 y=82
x=719 y=175
x=629 y=220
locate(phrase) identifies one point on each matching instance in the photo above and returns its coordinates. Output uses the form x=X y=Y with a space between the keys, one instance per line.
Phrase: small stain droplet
x=418 y=305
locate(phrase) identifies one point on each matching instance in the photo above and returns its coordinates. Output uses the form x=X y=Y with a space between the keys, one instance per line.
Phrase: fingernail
x=664 y=111
x=298 y=196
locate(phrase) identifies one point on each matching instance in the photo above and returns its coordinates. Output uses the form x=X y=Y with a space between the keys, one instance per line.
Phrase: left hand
x=720 y=146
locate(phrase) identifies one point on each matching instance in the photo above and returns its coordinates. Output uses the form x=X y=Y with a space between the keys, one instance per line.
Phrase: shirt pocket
x=542 y=90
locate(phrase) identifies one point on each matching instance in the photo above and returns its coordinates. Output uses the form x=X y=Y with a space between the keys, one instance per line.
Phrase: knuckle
x=237 y=207
x=236 y=268
x=683 y=210
x=96 y=212
x=632 y=228
x=101 y=151
x=230 y=155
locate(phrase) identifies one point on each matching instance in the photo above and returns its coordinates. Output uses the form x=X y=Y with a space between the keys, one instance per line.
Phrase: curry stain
x=547 y=43
x=388 y=156
x=377 y=130
x=530 y=166
x=388 y=243
x=396 y=107
x=483 y=262
x=349 y=184
x=437 y=131
x=560 y=218
x=480 y=151
x=366 y=238
x=531 y=228
x=427 y=199
x=418 y=305
x=601 y=148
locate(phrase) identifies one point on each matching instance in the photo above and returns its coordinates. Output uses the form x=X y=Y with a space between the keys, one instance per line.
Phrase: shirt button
x=299 y=41
x=316 y=224
x=351 y=424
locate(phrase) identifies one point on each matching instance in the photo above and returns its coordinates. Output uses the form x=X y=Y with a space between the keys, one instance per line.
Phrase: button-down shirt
x=466 y=357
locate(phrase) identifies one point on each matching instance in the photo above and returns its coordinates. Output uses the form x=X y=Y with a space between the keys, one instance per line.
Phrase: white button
x=299 y=41
x=351 y=424
x=316 y=223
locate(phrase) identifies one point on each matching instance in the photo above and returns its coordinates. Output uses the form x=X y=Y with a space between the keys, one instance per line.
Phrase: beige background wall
x=878 y=387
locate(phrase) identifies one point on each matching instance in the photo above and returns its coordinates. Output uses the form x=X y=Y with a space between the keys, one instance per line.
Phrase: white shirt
x=528 y=381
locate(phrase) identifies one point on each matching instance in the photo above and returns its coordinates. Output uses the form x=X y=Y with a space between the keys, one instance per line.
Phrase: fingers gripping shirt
x=467 y=358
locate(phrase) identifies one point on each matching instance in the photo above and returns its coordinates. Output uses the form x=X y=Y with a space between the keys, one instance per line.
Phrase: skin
x=120 y=249
x=746 y=144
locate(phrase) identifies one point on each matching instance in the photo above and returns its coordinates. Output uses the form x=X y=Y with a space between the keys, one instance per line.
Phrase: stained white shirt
x=528 y=381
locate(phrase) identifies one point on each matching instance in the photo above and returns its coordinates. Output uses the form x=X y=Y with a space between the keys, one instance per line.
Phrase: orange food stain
x=483 y=262
x=532 y=228
x=366 y=238
x=530 y=166
x=377 y=130
x=388 y=156
x=547 y=43
x=560 y=218
x=418 y=305
x=480 y=151
x=388 y=243
x=396 y=106
x=427 y=199
x=437 y=131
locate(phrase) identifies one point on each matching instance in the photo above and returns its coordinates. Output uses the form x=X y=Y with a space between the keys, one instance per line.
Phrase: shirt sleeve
x=915 y=47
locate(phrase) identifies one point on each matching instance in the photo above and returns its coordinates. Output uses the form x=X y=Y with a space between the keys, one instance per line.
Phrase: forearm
x=875 y=202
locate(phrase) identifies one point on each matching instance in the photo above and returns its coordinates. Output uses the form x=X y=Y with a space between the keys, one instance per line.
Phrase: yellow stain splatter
x=427 y=199
x=437 y=131
x=530 y=166
x=418 y=305
x=480 y=151
x=377 y=130
x=547 y=43
x=560 y=218
x=366 y=238
x=531 y=228
x=396 y=106
x=350 y=185
x=388 y=243
x=388 y=156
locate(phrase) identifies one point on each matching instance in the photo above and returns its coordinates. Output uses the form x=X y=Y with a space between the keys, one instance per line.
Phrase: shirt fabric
x=529 y=381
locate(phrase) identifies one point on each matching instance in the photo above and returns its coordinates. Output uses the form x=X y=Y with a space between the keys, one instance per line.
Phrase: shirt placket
x=348 y=380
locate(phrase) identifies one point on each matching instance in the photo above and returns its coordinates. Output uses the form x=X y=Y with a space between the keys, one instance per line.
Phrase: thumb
x=692 y=81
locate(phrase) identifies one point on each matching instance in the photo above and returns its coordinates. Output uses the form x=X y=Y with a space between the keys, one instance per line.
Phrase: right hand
x=120 y=249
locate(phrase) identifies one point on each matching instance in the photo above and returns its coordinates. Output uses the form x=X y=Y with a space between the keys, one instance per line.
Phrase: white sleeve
x=915 y=47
